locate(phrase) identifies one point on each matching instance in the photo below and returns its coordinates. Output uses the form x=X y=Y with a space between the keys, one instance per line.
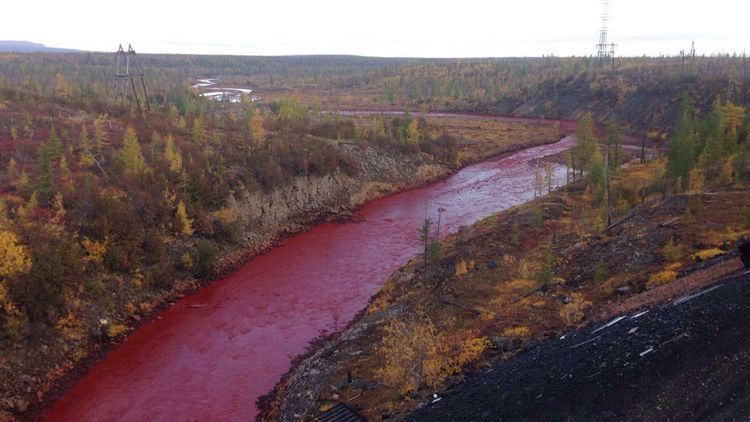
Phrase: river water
x=210 y=361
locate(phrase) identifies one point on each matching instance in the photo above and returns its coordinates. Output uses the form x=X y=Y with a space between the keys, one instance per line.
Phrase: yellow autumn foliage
x=461 y=269
x=412 y=132
x=574 y=311
x=413 y=353
x=172 y=155
x=70 y=326
x=520 y=332
x=13 y=256
x=662 y=277
x=672 y=251
x=95 y=250
x=472 y=350
x=673 y=266
x=183 y=224
x=519 y=285
x=186 y=261
x=378 y=303
x=224 y=215
x=115 y=330
x=707 y=254
x=257 y=133
x=7 y=305
x=14 y=259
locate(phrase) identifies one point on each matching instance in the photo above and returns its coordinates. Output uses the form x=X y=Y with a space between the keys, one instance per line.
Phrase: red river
x=211 y=362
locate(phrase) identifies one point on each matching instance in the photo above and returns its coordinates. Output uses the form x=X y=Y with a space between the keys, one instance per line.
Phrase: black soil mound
x=685 y=360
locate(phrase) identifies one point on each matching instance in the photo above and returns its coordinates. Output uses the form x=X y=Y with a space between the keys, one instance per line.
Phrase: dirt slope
x=683 y=360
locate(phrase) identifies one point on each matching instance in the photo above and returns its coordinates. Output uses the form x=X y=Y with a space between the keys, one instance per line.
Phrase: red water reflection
x=212 y=362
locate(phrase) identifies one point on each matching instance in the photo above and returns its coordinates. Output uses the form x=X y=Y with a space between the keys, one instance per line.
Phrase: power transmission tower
x=605 y=50
x=691 y=56
x=127 y=70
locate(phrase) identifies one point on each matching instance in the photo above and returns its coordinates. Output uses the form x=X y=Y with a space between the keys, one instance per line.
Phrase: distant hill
x=30 y=47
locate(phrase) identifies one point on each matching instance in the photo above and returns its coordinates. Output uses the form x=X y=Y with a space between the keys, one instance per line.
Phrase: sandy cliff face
x=310 y=198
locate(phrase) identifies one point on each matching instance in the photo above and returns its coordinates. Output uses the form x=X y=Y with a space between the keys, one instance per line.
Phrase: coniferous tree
x=100 y=138
x=198 y=132
x=10 y=172
x=681 y=147
x=257 y=133
x=713 y=148
x=53 y=145
x=130 y=155
x=44 y=184
x=183 y=224
x=85 y=158
x=597 y=175
x=63 y=166
x=613 y=141
x=596 y=169
x=172 y=155
x=585 y=141
x=412 y=132
x=62 y=89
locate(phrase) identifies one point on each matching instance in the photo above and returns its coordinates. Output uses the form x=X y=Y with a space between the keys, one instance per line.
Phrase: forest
x=137 y=200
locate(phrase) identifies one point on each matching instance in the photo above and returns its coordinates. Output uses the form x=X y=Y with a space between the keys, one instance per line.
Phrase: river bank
x=510 y=281
x=275 y=217
x=332 y=209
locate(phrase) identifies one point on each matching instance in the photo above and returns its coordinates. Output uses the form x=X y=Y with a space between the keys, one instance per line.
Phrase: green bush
x=205 y=259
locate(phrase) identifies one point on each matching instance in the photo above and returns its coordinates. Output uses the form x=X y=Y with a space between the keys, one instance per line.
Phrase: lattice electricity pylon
x=126 y=81
x=605 y=50
x=688 y=58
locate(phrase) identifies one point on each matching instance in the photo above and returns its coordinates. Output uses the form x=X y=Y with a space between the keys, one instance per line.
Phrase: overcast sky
x=460 y=28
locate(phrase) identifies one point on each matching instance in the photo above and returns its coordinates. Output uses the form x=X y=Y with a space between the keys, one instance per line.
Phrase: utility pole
x=744 y=78
x=125 y=78
x=606 y=183
x=682 y=61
